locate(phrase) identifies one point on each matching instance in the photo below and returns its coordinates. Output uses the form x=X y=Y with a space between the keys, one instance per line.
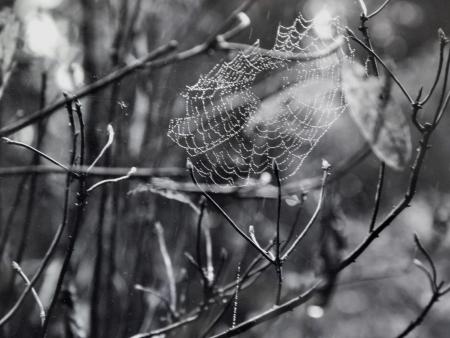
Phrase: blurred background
x=73 y=43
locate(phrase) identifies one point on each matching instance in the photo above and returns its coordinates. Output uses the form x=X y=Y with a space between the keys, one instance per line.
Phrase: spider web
x=233 y=132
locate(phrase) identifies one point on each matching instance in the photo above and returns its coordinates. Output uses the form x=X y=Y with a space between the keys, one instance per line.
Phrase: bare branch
x=19 y=270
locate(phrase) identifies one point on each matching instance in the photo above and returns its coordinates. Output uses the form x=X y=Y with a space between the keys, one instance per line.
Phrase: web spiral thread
x=232 y=133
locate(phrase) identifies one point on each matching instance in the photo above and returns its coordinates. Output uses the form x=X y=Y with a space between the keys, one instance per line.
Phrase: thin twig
x=326 y=171
x=19 y=270
x=391 y=74
x=379 y=190
x=443 y=41
x=141 y=173
x=155 y=293
x=112 y=180
x=89 y=89
x=379 y=9
x=40 y=153
x=428 y=258
x=105 y=147
x=228 y=218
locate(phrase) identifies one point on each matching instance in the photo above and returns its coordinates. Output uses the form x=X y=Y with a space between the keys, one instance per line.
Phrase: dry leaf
x=378 y=115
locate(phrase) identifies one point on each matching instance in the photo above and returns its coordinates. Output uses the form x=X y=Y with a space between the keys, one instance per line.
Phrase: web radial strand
x=237 y=122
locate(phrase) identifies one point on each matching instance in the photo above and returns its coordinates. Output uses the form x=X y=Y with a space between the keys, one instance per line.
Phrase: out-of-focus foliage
x=9 y=39
x=378 y=115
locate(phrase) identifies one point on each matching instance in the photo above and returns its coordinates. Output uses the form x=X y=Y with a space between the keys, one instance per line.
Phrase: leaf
x=378 y=115
x=9 y=37
x=168 y=193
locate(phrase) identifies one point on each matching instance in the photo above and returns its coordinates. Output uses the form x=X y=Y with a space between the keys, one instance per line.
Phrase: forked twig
x=19 y=270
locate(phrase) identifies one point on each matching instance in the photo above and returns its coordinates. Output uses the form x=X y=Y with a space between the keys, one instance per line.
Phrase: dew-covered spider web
x=265 y=106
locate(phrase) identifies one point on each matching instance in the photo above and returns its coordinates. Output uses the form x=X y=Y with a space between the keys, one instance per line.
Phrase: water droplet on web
x=265 y=105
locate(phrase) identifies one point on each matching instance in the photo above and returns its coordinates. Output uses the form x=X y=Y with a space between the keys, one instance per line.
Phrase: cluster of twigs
x=215 y=296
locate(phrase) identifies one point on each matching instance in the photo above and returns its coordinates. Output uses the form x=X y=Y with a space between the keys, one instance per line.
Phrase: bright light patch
x=315 y=311
x=69 y=77
x=323 y=24
x=42 y=36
